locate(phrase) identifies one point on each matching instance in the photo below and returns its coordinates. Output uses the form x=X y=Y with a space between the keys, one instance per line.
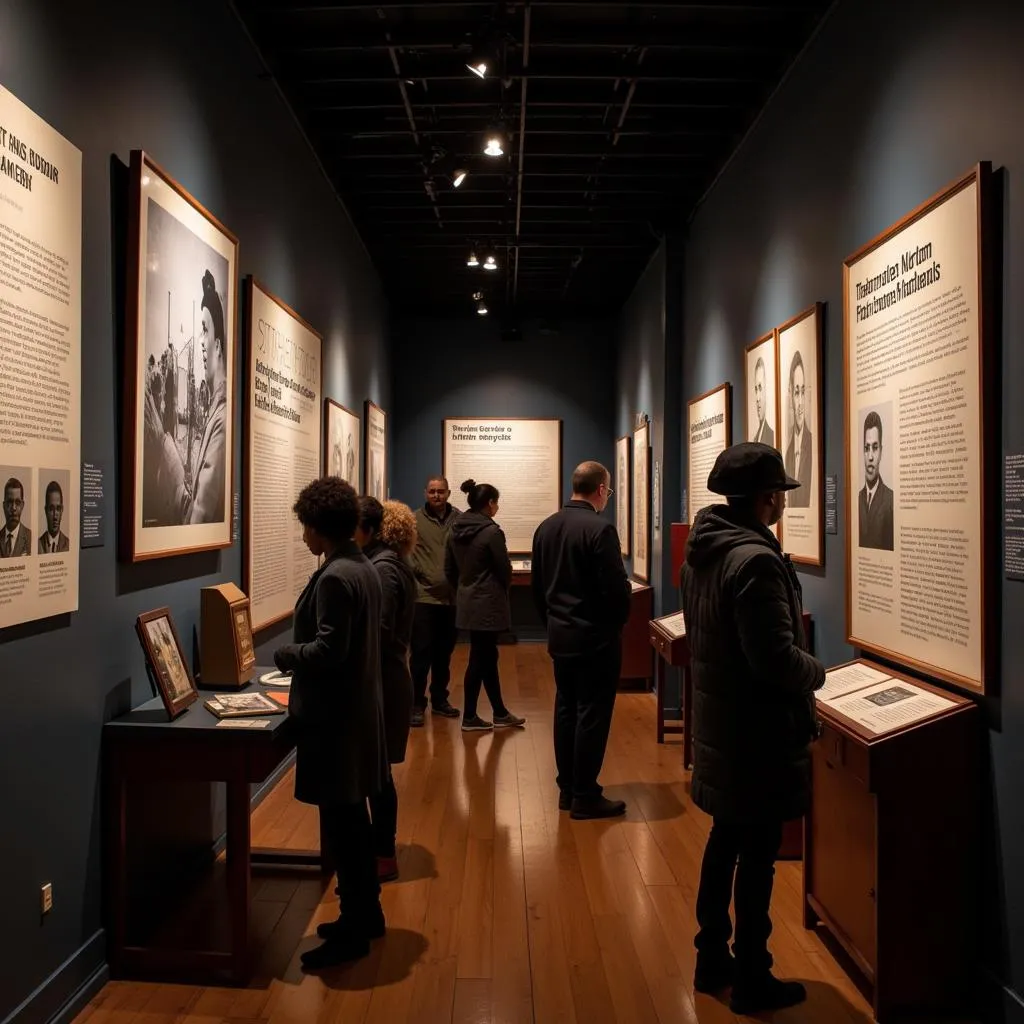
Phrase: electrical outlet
x=46 y=897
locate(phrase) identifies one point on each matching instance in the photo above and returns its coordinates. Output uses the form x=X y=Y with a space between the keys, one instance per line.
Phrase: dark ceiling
x=617 y=116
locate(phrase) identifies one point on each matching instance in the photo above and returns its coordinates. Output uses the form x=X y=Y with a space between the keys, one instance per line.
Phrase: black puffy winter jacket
x=753 y=710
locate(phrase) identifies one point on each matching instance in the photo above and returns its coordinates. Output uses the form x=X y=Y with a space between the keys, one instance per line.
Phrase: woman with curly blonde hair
x=387 y=535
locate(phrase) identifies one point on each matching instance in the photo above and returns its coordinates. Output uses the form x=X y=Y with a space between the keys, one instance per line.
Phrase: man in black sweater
x=583 y=597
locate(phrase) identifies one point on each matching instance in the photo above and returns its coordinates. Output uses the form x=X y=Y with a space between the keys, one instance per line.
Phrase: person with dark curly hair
x=336 y=711
x=479 y=571
x=387 y=535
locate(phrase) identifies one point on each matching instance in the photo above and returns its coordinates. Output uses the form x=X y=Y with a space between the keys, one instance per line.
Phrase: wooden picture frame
x=708 y=434
x=623 y=488
x=761 y=390
x=375 y=457
x=641 y=485
x=342 y=452
x=799 y=344
x=165 y=660
x=518 y=530
x=177 y=482
x=922 y=573
x=283 y=413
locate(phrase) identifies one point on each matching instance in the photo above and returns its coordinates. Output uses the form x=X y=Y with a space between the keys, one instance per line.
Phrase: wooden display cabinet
x=637 y=660
x=891 y=852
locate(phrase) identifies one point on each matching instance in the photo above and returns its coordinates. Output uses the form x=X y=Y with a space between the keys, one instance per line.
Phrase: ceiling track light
x=490 y=263
x=495 y=141
x=481 y=308
x=472 y=261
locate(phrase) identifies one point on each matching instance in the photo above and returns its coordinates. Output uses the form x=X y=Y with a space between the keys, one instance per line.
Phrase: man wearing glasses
x=583 y=598
x=15 y=539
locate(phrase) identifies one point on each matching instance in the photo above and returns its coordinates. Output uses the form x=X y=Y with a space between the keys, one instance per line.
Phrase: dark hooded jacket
x=398 y=603
x=477 y=564
x=753 y=679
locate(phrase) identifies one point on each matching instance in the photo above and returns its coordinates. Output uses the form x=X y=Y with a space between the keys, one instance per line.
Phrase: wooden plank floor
x=507 y=910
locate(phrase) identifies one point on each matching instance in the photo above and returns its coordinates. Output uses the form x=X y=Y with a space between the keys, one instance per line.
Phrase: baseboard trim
x=65 y=993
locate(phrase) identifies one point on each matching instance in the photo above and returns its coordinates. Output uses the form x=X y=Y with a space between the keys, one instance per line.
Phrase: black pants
x=483 y=670
x=433 y=640
x=584 y=700
x=745 y=852
x=384 y=815
x=348 y=834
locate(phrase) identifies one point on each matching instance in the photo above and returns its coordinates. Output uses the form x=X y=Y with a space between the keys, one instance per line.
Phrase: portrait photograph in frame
x=621 y=483
x=761 y=391
x=802 y=528
x=342 y=440
x=376 y=456
x=641 y=539
x=179 y=400
x=166 y=660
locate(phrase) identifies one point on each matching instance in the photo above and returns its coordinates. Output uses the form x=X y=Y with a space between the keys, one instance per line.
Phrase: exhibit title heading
x=489 y=434
x=289 y=357
x=10 y=143
x=906 y=278
x=703 y=429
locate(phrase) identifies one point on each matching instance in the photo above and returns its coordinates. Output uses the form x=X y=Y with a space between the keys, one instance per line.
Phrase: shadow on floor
x=415 y=862
x=391 y=960
x=824 y=1004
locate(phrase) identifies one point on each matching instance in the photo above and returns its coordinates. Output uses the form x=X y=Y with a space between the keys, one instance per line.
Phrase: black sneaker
x=418 y=716
x=476 y=724
x=713 y=973
x=335 y=952
x=508 y=721
x=344 y=926
x=564 y=800
x=445 y=710
x=602 y=807
x=764 y=994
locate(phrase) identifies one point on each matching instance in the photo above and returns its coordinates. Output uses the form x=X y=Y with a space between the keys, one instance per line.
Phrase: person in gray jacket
x=387 y=534
x=479 y=571
x=433 y=628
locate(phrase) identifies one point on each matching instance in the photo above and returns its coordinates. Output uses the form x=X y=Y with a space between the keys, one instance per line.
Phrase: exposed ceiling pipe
x=522 y=143
x=427 y=186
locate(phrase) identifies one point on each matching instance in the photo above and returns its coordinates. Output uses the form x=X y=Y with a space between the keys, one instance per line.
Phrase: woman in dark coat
x=336 y=713
x=477 y=565
x=387 y=535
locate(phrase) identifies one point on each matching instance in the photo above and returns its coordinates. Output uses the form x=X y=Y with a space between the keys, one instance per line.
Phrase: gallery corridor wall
x=886 y=106
x=183 y=82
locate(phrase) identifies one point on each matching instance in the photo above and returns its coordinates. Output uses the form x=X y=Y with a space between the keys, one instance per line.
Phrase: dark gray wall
x=889 y=104
x=182 y=82
x=466 y=367
x=648 y=381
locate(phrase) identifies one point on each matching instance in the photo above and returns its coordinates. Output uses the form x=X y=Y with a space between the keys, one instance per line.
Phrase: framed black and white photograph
x=621 y=484
x=55 y=521
x=342 y=443
x=376 y=452
x=642 y=501
x=761 y=402
x=802 y=529
x=16 y=528
x=182 y=289
x=165 y=659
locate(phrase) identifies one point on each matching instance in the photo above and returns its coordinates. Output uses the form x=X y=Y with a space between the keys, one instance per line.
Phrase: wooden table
x=143 y=744
x=637 y=661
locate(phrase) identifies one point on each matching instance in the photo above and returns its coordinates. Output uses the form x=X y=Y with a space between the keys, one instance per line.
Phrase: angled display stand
x=891 y=843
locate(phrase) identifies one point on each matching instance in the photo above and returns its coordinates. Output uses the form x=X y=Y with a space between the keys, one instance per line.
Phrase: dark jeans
x=348 y=834
x=384 y=813
x=483 y=670
x=584 y=700
x=745 y=851
x=433 y=640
